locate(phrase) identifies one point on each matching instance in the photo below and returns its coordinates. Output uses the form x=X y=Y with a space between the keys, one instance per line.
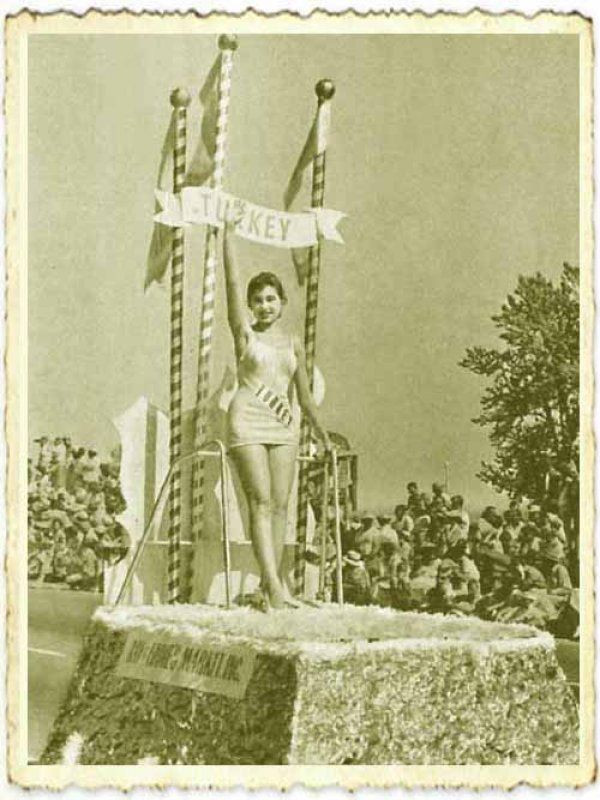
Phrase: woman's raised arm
x=235 y=305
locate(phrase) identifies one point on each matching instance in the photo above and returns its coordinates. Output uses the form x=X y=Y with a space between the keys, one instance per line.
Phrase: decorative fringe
x=71 y=752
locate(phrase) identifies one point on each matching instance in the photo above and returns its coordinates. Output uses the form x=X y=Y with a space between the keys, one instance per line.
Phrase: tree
x=532 y=404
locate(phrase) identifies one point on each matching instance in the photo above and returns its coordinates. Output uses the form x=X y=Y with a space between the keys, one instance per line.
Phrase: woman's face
x=266 y=305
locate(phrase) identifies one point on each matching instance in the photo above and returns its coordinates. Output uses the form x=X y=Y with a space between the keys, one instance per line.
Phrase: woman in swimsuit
x=263 y=430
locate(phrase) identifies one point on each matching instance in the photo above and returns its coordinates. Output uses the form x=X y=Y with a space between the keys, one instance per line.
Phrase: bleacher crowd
x=73 y=501
x=509 y=566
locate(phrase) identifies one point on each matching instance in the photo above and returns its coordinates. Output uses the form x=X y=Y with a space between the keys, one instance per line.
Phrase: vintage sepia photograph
x=299 y=326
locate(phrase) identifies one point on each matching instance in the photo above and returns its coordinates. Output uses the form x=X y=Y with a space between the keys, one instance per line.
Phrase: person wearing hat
x=355 y=579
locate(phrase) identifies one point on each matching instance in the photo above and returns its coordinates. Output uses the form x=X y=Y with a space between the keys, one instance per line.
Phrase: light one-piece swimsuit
x=262 y=410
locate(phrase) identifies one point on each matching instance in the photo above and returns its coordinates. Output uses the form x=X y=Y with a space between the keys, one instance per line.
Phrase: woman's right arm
x=235 y=305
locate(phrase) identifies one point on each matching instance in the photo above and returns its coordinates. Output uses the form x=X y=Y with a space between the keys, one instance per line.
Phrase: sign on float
x=179 y=662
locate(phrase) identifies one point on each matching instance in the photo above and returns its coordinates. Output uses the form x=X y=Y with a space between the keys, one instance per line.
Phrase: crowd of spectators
x=430 y=556
x=73 y=501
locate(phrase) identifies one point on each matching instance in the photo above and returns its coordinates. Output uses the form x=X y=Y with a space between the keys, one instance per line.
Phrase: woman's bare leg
x=252 y=464
x=282 y=465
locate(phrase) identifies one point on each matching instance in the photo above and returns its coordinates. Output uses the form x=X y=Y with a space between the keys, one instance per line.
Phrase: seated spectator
x=458 y=520
x=490 y=526
x=59 y=450
x=385 y=533
x=382 y=583
x=403 y=520
x=356 y=580
x=366 y=539
x=44 y=453
x=63 y=518
x=426 y=569
x=494 y=566
x=422 y=524
x=511 y=531
x=60 y=561
x=439 y=495
x=413 y=496
x=350 y=532
x=83 y=569
x=467 y=570
x=529 y=542
x=528 y=576
x=405 y=547
x=91 y=467
x=552 y=566
x=449 y=594
x=400 y=563
x=557 y=527
x=515 y=511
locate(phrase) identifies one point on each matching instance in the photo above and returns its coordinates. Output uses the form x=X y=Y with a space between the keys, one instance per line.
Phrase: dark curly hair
x=261 y=280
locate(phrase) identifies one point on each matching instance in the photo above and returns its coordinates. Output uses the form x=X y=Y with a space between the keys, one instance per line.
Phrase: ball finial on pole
x=325 y=89
x=180 y=98
x=228 y=41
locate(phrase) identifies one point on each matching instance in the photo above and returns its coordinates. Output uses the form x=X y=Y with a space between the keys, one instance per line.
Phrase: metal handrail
x=327 y=458
x=200 y=452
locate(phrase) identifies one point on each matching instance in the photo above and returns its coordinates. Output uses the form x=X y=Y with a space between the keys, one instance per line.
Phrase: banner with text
x=181 y=662
x=199 y=205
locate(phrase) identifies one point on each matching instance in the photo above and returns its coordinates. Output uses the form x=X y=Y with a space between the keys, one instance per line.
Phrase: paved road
x=58 y=619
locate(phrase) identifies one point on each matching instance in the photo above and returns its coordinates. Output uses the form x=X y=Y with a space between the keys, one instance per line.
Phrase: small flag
x=315 y=144
x=200 y=171
x=159 y=253
x=203 y=162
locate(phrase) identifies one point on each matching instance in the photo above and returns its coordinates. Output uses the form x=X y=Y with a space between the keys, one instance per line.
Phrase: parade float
x=173 y=672
x=195 y=685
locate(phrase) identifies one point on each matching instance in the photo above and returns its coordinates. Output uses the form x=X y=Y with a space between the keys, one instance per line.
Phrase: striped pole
x=227 y=45
x=180 y=100
x=324 y=528
x=337 y=530
x=325 y=90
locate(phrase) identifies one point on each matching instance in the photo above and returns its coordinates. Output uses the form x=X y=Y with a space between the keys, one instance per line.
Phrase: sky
x=455 y=158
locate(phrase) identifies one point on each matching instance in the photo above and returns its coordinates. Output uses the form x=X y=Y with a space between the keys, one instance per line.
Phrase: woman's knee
x=279 y=506
x=259 y=503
